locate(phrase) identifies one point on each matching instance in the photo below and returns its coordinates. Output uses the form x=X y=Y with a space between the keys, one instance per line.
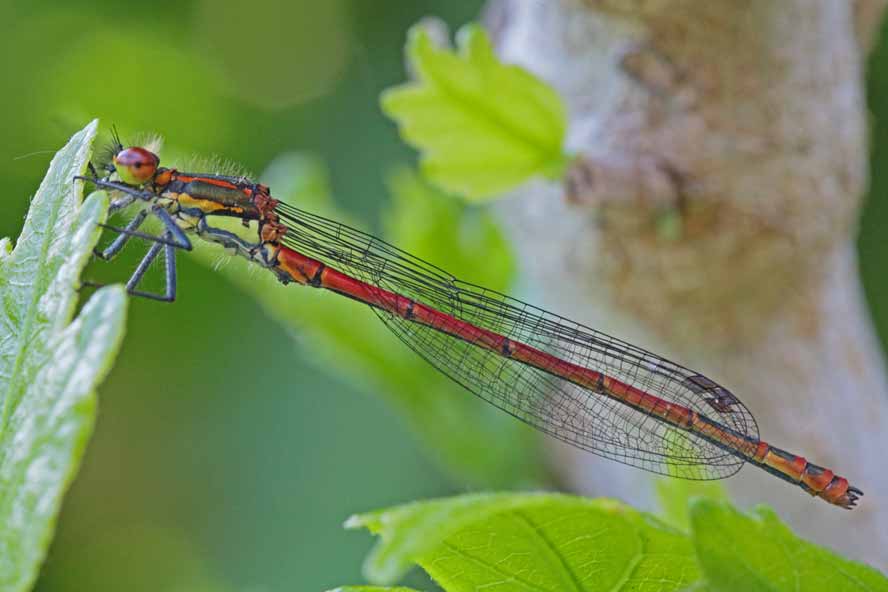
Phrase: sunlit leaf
x=482 y=126
x=372 y=589
x=675 y=497
x=410 y=531
x=529 y=542
x=468 y=240
x=676 y=494
x=759 y=553
x=49 y=364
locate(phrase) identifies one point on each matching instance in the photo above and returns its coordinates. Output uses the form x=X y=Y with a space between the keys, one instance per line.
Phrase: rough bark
x=711 y=216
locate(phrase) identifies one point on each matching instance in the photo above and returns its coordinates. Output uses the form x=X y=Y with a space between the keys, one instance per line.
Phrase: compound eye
x=135 y=166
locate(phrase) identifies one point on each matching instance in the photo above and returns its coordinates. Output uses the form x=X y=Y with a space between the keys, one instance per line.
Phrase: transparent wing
x=579 y=416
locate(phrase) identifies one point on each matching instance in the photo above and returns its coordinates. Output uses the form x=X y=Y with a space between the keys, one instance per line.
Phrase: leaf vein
x=506 y=575
x=552 y=549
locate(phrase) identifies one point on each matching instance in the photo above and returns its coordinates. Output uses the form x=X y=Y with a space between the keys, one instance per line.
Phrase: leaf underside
x=49 y=364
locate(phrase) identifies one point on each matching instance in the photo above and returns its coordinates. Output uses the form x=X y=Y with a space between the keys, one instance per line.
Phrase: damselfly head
x=135 y=165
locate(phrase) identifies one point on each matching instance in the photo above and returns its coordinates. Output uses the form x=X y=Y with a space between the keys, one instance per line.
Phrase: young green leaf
x=411 y=531
x=349 y=339
x=49 y=365
x=759 y=553
x=482 y=126
x=371 y=589
x=675 y=496
x=529 y=542
x=435 y=225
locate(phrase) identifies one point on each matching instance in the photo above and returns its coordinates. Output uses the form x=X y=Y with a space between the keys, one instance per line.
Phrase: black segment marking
x=315 y=280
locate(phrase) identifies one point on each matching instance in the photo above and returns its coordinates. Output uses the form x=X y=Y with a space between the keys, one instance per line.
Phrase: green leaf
x=529 y=542
x=371 y=589
x=675 y=496
x=759 y=553
x=49 y=365
x=675 y=493
x=146 y=554
x=483 y=127
x=302 y=180
x=411 y=531
x=475 y=442
x=437 y=226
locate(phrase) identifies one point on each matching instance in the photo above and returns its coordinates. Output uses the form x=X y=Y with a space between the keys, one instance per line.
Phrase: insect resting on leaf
x=581 y=386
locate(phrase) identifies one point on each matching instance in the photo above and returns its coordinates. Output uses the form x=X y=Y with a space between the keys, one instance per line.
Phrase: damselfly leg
x=173 y=238
x=169 y=293
x=173 y=235
x=232 y=242
x=122 y=239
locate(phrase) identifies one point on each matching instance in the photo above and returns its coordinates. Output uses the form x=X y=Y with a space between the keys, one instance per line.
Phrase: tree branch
x=867 y=21
x=712 y=213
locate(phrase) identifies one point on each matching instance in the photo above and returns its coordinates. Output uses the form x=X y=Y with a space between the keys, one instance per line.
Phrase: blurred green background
x=225 y=457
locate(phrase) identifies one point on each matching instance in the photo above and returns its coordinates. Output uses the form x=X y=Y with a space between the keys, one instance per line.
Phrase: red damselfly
x=579 y=385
